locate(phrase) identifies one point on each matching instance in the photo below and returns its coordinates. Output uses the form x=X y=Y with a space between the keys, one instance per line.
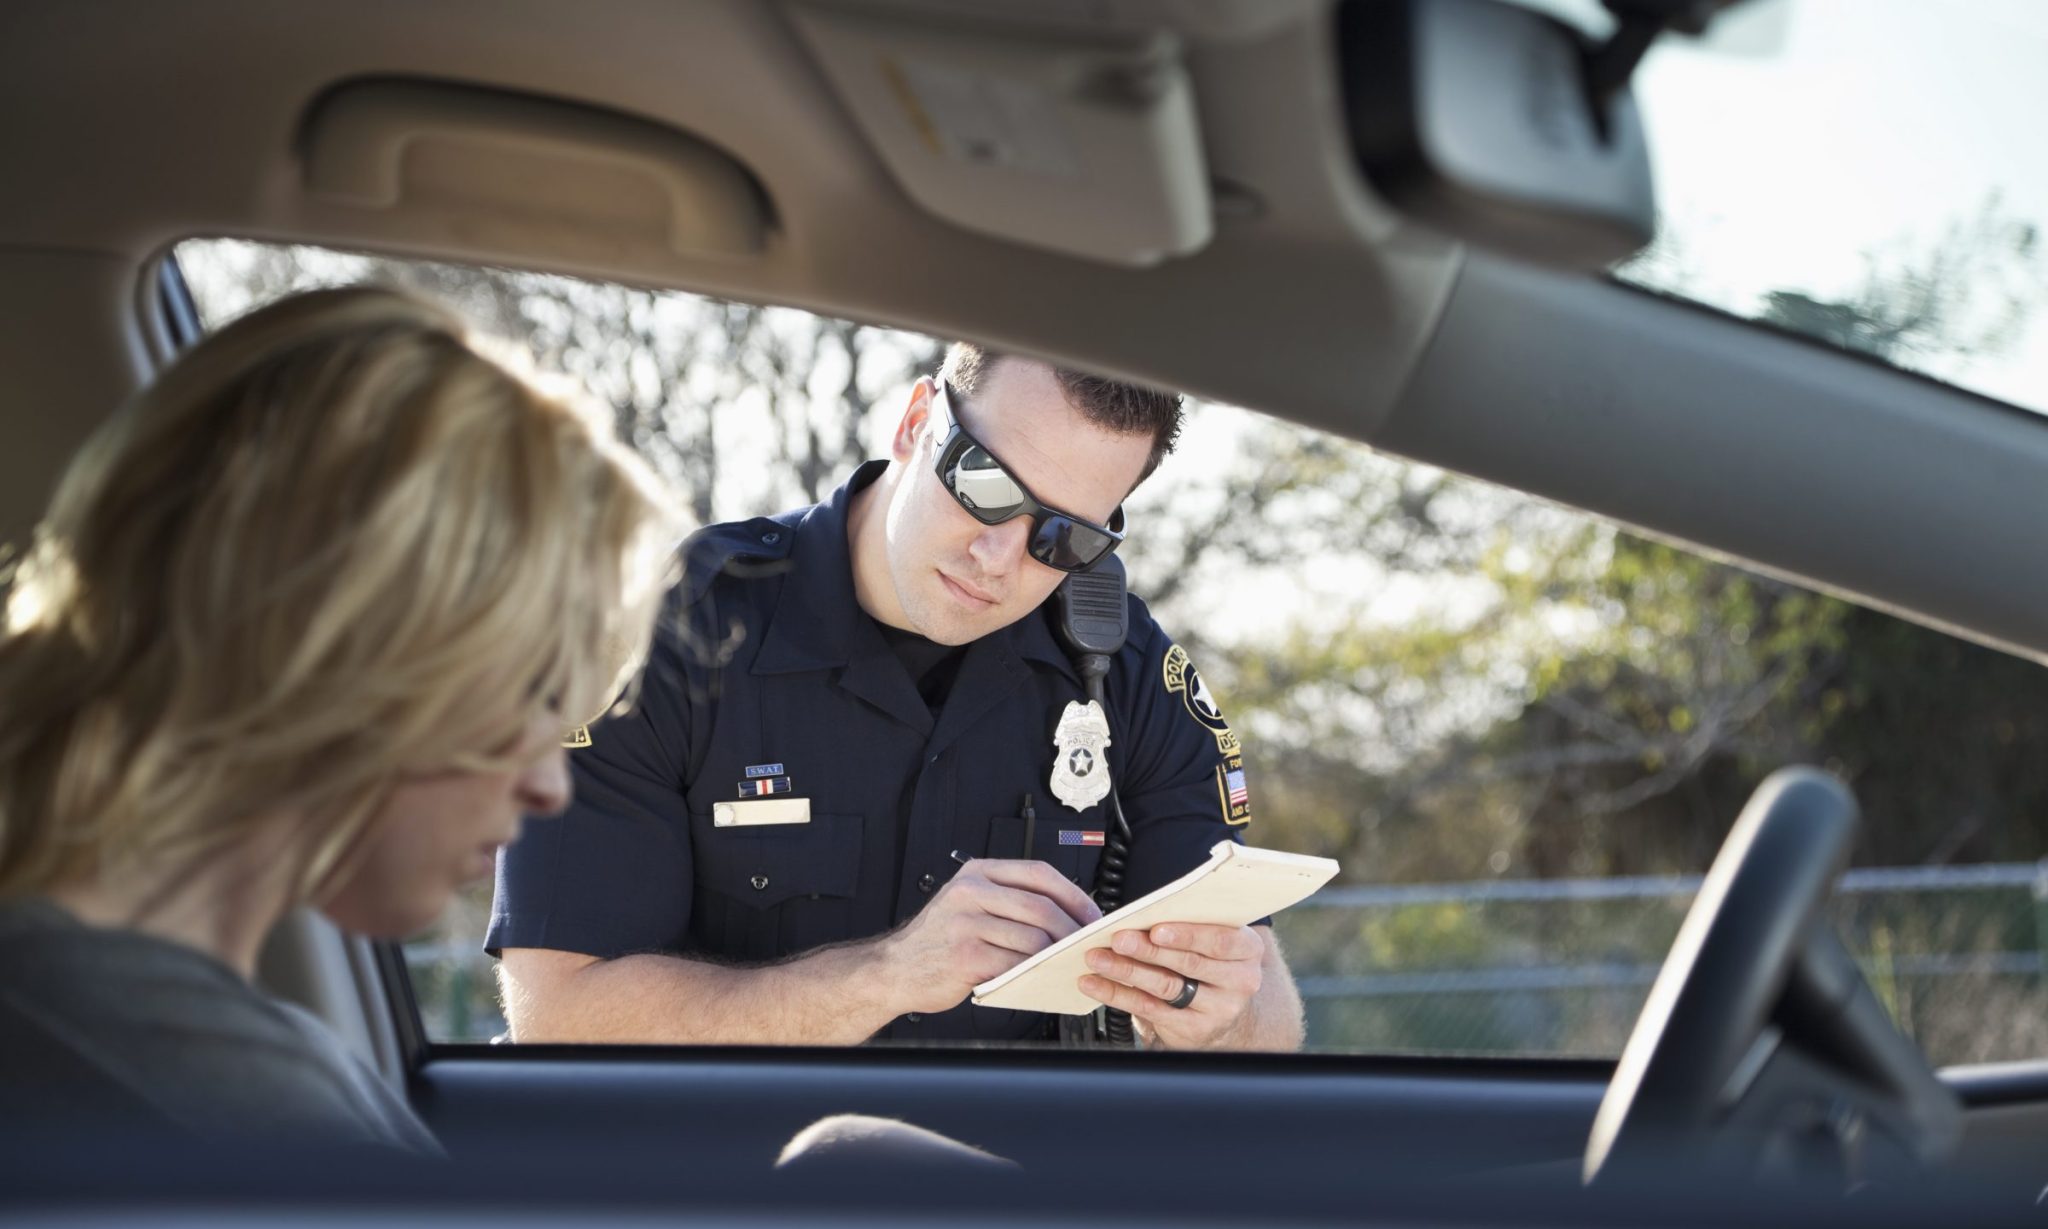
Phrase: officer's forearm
x=828 y=997
x=1274 y=1021
x=1276 y=1010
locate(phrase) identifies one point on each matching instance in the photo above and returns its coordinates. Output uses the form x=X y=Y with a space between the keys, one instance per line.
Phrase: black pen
x=1030 y=826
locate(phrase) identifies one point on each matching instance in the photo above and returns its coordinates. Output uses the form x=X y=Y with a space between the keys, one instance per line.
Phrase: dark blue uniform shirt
x=767 y=670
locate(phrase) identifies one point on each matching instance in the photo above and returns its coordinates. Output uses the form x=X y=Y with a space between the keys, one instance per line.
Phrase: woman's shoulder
x=171 y=1028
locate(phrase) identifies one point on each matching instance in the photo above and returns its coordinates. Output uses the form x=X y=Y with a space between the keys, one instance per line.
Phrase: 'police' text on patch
x=1182 y=679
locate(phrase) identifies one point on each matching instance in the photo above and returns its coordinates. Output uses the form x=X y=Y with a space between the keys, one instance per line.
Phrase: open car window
x=1523 y=732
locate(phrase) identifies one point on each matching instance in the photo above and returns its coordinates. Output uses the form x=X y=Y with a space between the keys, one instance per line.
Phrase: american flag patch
x=1234 y=800
x=764 y=787
x=1074 y=836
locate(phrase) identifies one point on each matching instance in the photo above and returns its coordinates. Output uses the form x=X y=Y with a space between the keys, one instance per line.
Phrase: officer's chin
x=945 y=623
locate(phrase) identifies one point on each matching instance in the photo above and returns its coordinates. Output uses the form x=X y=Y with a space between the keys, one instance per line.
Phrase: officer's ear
x=910 y=429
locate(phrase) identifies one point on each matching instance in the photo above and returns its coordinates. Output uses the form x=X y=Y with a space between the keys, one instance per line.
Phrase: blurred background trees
x=1437 y=679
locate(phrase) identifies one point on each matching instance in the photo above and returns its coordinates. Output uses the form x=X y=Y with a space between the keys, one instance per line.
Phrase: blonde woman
x=305 y=624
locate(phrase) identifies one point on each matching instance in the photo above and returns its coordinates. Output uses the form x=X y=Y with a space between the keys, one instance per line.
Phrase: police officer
x=860 y=777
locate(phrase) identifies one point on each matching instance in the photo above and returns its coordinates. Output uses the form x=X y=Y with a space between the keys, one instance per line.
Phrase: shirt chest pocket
x=771 y=891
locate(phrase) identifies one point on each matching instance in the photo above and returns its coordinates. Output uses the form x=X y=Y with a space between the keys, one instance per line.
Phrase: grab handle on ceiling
x=490 y=159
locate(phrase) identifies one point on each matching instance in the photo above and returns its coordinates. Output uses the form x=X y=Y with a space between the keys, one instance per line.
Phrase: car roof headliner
x=130 y=125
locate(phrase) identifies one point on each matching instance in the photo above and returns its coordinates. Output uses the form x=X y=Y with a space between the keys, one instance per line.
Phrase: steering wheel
x=1706 y=1027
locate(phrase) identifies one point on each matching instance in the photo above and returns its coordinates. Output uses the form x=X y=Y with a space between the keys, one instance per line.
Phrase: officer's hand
x=1144 y=970
x=991 y=915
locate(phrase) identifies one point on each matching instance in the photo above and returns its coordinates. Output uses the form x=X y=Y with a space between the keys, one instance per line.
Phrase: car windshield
x=1862 y=172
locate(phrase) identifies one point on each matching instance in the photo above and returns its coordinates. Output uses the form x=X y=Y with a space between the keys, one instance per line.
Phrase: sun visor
x=1070 y=144
x=499 y=170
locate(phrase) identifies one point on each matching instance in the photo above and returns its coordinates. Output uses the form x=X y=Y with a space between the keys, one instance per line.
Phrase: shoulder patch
x=1181 y=678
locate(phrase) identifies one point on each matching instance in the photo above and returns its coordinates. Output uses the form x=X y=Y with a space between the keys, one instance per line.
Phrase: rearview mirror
x=1480 y=120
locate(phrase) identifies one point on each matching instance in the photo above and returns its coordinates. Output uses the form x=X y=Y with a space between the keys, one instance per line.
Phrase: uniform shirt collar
x=1034 y=640
x=816 y=612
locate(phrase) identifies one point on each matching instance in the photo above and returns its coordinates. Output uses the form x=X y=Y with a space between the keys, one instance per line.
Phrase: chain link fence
x=1561 y=967
x=1541 y=968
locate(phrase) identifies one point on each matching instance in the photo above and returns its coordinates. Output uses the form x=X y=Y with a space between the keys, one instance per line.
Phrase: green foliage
x=1626 y=742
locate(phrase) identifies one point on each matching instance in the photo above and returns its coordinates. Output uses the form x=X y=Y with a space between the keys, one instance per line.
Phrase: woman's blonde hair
x=331 y=547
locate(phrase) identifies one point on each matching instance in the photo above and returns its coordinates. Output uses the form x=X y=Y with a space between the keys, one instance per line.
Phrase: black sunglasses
x=992 y=495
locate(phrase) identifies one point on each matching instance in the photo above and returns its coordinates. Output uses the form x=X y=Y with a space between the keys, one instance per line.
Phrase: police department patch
x=1181 y=678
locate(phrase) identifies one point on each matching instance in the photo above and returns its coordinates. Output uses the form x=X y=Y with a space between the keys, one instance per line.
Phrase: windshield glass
x=1862 y=172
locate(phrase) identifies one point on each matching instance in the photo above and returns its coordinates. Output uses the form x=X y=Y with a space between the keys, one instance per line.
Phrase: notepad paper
x=1238 y=885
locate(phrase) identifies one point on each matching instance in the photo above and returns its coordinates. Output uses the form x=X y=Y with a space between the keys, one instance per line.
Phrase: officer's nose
x=998 y=549
x=544 y=787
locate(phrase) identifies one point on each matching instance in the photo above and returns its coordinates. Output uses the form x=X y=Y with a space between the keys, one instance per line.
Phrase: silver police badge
x=1080 y=772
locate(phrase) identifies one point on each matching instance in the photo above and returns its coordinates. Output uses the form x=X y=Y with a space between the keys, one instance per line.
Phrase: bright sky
x=1804 y=133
